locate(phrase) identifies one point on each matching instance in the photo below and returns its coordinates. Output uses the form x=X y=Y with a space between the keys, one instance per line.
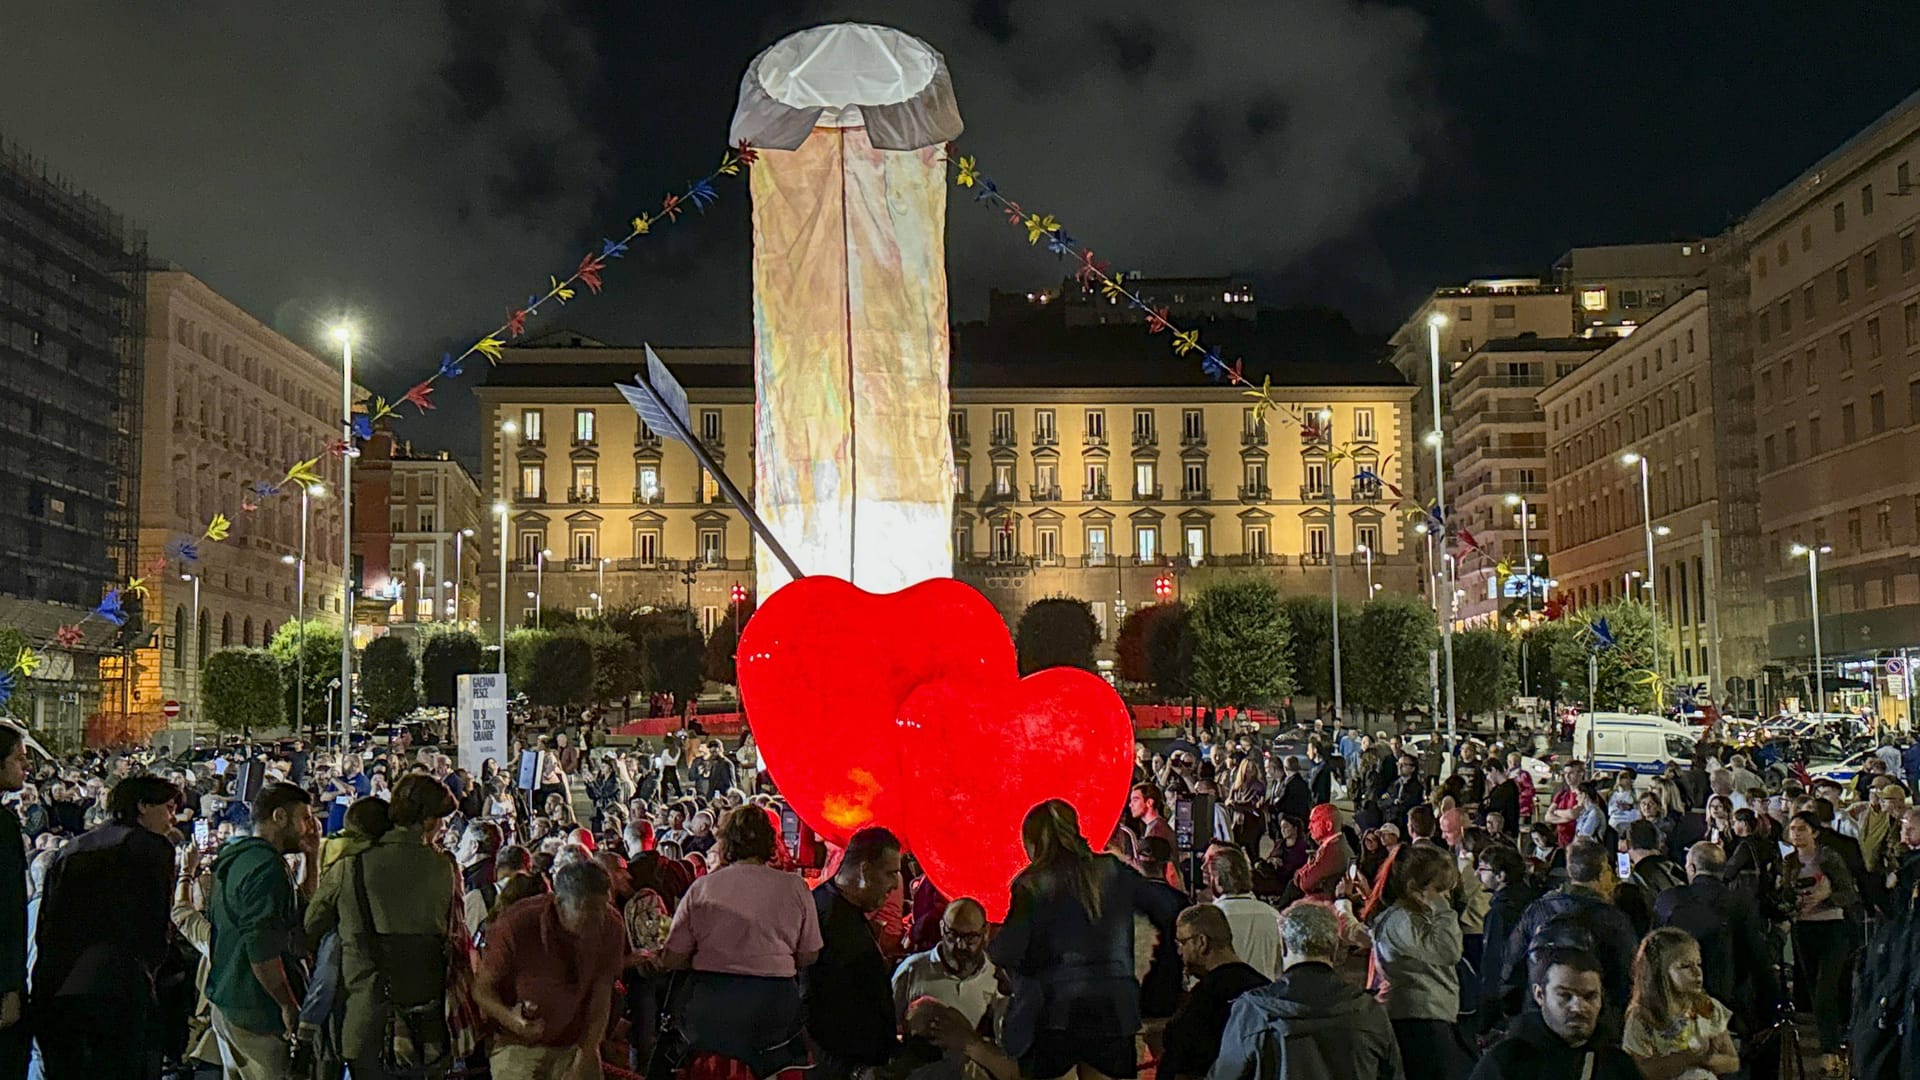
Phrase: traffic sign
x=170 y=710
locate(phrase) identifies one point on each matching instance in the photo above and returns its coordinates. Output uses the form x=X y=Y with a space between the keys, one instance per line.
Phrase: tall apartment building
x=1090 y=480
x=1619 y=287
x=70 y=295
x=1834 y=326
x=1646 y=406
x=1500 y=467
x=230 y=403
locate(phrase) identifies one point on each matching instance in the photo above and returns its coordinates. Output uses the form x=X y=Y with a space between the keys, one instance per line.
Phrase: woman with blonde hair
x=1675 y=1030
x=1068 y=941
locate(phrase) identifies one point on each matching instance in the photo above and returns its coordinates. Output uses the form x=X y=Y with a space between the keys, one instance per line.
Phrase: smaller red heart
x=981 y=753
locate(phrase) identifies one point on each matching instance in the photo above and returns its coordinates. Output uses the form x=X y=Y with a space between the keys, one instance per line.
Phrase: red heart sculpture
x=984 y=753
x=823 y=667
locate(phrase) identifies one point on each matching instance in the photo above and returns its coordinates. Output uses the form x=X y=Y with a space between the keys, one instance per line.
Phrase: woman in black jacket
x=1068 y=943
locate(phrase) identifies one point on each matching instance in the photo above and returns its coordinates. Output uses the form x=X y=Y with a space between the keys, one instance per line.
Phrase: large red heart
x=985 y=753
x=823 y=667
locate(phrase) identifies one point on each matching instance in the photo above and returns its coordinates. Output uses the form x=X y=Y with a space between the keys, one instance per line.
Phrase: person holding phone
x=1824 y=931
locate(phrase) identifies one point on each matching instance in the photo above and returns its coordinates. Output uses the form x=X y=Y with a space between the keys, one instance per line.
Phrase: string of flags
x=589 y=273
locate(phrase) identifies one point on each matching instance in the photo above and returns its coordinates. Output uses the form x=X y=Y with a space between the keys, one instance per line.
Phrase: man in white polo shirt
x=1256 y=923
x=955 y=972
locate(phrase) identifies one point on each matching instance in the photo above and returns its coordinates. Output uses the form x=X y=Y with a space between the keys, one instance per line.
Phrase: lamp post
x=1367 y=551
x=539 y=583
x=689 y=574
x=600 y=585
x=1526 y=561
x=344 y=335
x=419 y=587
x=739 y=594
x=500 y=511
x=307 y=494
x=1632 y=458
x=193 y=638
x=1333 y=574
x=1813 y=592
x=598 y=607
x=459 y=567
x=1437 y=437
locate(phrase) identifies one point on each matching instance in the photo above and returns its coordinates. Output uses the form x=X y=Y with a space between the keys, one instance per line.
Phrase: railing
x=1313 y=558
x=1255 y=437
x=1002 y=440
x=1094 y=439
x=1313 y=493
x=1255 y=493
x=1365 y=491
x=1145 y=439
x=583 y=495
x=525 y=496
x=959 y=438
x=1191 y=439
x=1050 y=493
x=585 y=444
x=1193 y=494
x=1096 y=493
x=1046 y=438
x=1262 y=559
x=642 y=497
x=533 y=441
x=646 y=444
x=1151 y=494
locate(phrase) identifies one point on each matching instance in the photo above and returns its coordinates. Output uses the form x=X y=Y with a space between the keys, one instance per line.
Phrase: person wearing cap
x=1880 y=847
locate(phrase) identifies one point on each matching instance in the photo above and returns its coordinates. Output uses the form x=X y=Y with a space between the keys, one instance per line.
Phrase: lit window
x=1593 y=299
x=583 y=425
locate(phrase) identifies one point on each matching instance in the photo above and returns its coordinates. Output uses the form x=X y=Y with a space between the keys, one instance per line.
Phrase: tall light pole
x=419 y=587
x=193 y=639
x=344 y=335
x=459 y=568
x=1526 y=560
x=600 y=585
x=1438 y=438
x=1813 y=591
x=1630 y=459
x=539 y=583
x=500 y=511
x=307 y=495
x=1368 y=552
x=1333 y=574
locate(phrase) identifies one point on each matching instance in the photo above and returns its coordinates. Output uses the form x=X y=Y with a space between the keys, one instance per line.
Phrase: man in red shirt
x=1565 y=814
x=546 y=977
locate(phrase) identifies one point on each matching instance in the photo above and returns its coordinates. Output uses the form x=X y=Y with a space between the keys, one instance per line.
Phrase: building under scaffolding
x=71 y=291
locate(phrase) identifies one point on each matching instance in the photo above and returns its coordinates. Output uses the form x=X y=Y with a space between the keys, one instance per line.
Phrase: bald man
x=956 y=971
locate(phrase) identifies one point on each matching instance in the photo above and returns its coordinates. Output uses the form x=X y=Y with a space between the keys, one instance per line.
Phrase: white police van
x=1649 y=745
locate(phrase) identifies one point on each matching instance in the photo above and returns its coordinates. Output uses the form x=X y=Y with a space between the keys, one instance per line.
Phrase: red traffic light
x=1163 y=586
x=739 y=594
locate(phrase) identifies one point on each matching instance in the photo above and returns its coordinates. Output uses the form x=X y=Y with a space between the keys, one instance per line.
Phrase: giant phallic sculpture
x=852 y=469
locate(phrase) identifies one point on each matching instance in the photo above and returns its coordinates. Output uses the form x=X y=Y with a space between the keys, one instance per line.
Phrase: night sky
x=423 y=166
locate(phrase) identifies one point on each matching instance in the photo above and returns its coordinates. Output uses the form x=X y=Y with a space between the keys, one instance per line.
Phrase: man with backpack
x=253 y=979
x=1576 y=916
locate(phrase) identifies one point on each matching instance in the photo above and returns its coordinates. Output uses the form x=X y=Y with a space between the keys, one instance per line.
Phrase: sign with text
x=482 y=704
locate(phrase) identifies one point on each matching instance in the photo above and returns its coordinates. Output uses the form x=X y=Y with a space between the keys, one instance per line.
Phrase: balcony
x=1045 y=437
x=1096 y=493
x=1002 y=439
x=959 y=438
x=587 y=494
x=525 y=496
x=713 y=438
x=1313 y=558
x=583 y=564
x=1192 y=439
x=533 y=441
x=1256 y=436
x=1196 y=494
x=1145 y=440
x=1151 y=494
x=653 y=496
x=1365 y=491
x=1048 y=493
x=1000 y=493
x=1094 y=438
x=648 y=443
x=1264 y=558
x=1314 y=492
x=1253 y=493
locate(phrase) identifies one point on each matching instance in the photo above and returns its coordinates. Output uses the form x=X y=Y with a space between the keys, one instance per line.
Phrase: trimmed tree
x=674 y=663
x=1130 y=645
x=1484 y=673
x=389 y=679
x=322 y=666
x=616 y=663
x=1170 y=652
x=1386 y=660
x=241 y=690
x=445 y=656
x=1058 y=631
x=522 y=644
x=724 y=644
x=1240 y=644
x=560 y=673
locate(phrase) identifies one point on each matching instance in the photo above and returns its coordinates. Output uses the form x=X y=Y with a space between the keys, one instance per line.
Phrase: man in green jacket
x=254 y=978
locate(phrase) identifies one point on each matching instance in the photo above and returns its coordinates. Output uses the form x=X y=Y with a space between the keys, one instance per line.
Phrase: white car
x=1841 y=772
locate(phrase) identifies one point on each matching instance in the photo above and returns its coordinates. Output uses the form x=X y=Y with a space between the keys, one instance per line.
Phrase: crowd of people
x=1353 y=909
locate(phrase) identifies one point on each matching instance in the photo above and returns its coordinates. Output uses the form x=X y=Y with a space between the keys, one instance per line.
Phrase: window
x=532 y=483
x=583 y=426
x=1367 y=536
x=1766 y=387
x=1806 y=237
x=1466 y=344
x=426 y=520
x=1855 y=540
x=1097 y=480
x=532 y=425
x=1192 y=426
x=1780 y=252
x=1910 y=323
x=710 y=429
x=1096 y=425
x=1593 y=299
x=1870 y=269
x=1764 y=326
x=530 y=544
x=1842 y=290
x=713 y=546
x=1813 y=436
x=1844 y=340
x=960 y=486
x=1255 y=540
x=709 y=487
x=1503 y=311
x=1144 y=482
x=1813 y=354
x=1193 y=479
x=1883 y=523
x=1769 y=454
x=1866 y=199
x=646 y=546
x=1847 y=430
x=1786 y=375
x=1629 y=298
x=1097 y=544
x=1196 y=544
x=1143 y=425
x=583 y=482
x=1807 y=308
x=1839 y=217
x=1046 y=479
x=1906 y=253
x=1046 y=542
x=1363 y=425
x=1003 y=426
x=582 y=545
x=1903 y=178
x=957 y=425
x=1146 y=543
x=1003 y=478
x=1876 y=412
x=963 y=542
x=1873 y=336
x=646 y=484
x=1044 y=432
x=1002 y=545
x=1316 y=485
x=1254 y=476
x=1463 y=313
x=1790 y=445
x=1317 y=542
x=1760 y=265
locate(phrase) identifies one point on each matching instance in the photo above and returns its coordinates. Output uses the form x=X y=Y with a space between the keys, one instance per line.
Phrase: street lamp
x=1367 y=550
x=1813 y=591
x=343 y=334
x=459 y=568
x=1438 y=440
x=1163 y=588
x=193 y=637
x=597 y=605
x=1526 y=561
x=1325 y=417
x=419 y=587
x=739 y=594
x=601 y=584
x=500 y=511
x=539 y=582
x=1630 y=459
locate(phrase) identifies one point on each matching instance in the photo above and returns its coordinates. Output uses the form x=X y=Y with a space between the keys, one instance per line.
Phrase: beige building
x=1834 y=325
x=230 y=403
x=1499 y=454
x=437 y=537
x=1060 y=488
x=1651 y=394
x=1619 y=287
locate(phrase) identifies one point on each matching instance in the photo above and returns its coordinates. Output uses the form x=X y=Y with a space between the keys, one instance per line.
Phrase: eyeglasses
x=973 y=938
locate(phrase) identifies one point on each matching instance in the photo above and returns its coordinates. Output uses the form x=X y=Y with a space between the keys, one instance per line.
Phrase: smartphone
x=202 y=836
x=1623 y=866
